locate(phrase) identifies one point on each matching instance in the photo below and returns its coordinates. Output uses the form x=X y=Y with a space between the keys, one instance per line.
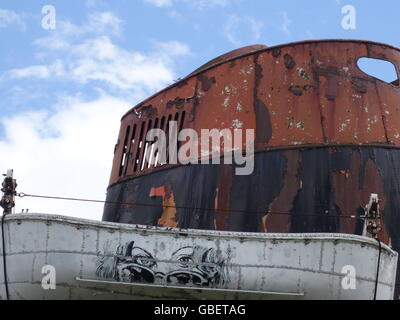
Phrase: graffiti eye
x=185 y=260
x=144 y=261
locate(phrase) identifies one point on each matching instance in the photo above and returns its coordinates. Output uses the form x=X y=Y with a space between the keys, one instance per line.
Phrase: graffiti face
x=188 y=265
x=138 y=266
x=197 y=265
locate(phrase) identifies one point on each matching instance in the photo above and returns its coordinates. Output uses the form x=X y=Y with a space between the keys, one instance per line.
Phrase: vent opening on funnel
x=380 y=69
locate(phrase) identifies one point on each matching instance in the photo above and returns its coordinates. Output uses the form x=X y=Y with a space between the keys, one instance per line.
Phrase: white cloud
x=286 y=22
x=66 y=153
x=97 y=58
x=256 y=27
x=8 y=17
x=246 y=26
x=172 y=48
x=97 y=23
x=39 y=71
x=160 y=3
x=66 y=148
x=55 y=41
x=202 y=4
x=230 y=27
x=197 y=4
x=93 y=3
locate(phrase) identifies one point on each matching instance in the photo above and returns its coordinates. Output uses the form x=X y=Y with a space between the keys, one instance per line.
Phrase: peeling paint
x=237 y=124
x=302 y=99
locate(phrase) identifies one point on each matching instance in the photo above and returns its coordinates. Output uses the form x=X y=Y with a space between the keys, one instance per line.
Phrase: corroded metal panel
x=300 y=190
x=327 y=136
x=99 y=260
x=307 y=93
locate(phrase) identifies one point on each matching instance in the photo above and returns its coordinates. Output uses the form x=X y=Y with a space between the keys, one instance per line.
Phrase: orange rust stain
x=264 y=223
x=283 y=202
x=350 y=197
x=222 y=198
x=216 y=198
x=157 y=192
x=167 y=218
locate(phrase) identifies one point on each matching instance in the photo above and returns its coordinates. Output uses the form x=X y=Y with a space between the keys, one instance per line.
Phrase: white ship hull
x=99 y=260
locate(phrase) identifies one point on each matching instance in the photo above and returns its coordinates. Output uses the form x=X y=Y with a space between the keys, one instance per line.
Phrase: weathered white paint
x=260 y=266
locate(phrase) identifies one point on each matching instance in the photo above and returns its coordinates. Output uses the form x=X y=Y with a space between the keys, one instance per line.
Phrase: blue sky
x=63 y=91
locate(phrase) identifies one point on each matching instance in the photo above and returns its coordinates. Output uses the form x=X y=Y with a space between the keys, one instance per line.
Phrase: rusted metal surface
x=327 y=137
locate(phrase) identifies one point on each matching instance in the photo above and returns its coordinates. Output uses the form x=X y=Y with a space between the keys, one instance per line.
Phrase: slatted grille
x=138 y=154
